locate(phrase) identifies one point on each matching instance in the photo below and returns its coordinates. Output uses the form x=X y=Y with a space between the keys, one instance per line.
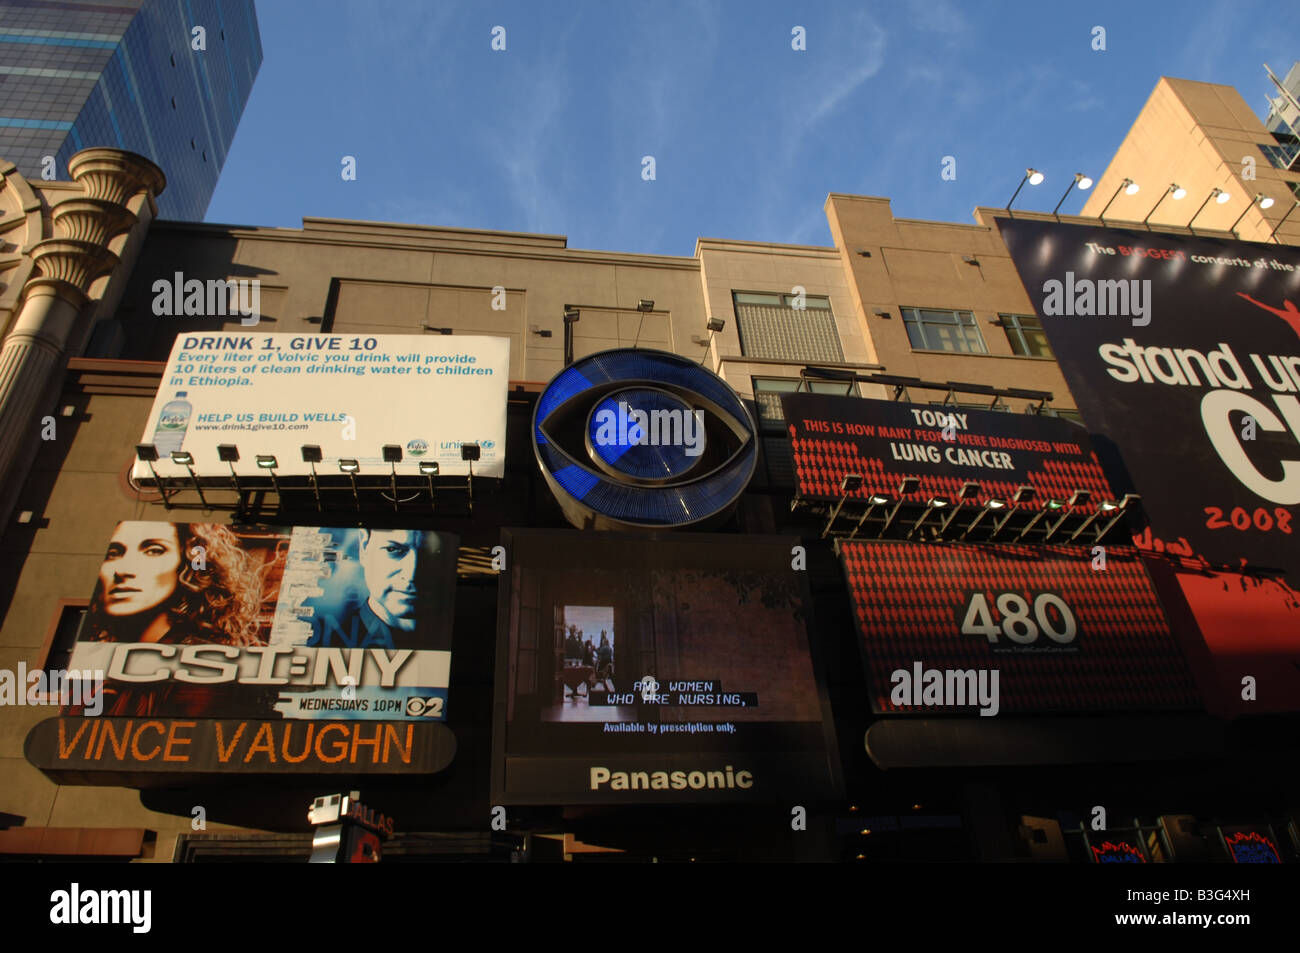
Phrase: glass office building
x=124 y=73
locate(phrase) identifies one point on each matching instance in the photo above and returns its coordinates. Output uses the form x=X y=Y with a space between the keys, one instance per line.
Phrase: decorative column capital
x=91 y=220
x=115 y=175
x=68 y=266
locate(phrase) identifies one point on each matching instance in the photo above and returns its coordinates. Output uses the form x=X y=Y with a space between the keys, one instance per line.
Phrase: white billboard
x=349 y=395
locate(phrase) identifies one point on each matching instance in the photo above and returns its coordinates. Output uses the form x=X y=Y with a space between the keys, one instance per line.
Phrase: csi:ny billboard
x=1184 y=356
x=261 y=650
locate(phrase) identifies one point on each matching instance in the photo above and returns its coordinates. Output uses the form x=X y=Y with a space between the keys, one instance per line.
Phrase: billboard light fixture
x=934 y=503
x=1128 y=187
x=645 y=304
x=311 y=456
x=1049 y=506
x=1262 y=200
x=228 y=453
x=392 y=453
x=906 y=487
x=1033 y=177
x=1219 y=195
x=849 y=483
x=874 y=500
x=990 y=506
x=147 y=453
x=349 y=466
x=186 y=459
x=1082 y=181
x=267 y=461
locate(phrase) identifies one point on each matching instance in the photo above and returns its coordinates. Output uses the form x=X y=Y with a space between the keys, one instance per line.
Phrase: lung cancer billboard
x=1184 y=356
x=635 y=669
x=261 y=651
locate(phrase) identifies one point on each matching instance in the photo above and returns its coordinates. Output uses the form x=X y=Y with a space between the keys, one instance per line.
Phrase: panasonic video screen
x=656 y=668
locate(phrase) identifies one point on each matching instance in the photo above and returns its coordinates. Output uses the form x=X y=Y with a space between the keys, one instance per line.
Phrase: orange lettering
x=173 y=740
x=135 y=742
x=390 y=736
x=306 y=745
x=65 y=749
x=341 y=747
x=224 y=756
x=103 y=736
x=259 y=745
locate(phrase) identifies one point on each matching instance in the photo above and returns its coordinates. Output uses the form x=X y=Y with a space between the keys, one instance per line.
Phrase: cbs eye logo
x=642 y=439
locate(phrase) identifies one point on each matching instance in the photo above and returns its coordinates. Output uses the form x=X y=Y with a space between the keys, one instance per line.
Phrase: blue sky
x=748 y=135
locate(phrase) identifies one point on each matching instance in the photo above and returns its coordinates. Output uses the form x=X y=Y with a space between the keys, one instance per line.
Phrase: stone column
x=55 y=303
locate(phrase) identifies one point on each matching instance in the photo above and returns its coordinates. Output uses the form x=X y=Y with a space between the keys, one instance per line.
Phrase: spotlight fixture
x=934 y=503
x=1177 y=191
x=1049 y=506
x=311 y=455
x=989 y=506
x=1082 y=181
x=906 y=487
x=393 y=456
x=1127 y=501
x=850 y=483
x=1218 y=195
x=351 y=468
x=876 y=499
x=714 y=326
x=147 y=453
x=1128 y=187
x=266 y=461
x=430 y=469
x=645 y=304
x=1033 y=177
x=969 y=490
x=1262 y=200
x=228 y=453
x=186 y=459
x=570 y=318
x=469 y=452
x=1023 y=494
x=1273 y=233
x=1077 y=498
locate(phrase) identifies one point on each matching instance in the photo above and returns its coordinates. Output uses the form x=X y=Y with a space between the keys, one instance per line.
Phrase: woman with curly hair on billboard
x=179 y=583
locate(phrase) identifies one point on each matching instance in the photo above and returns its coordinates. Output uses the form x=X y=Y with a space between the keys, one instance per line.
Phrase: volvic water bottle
x=172 y=424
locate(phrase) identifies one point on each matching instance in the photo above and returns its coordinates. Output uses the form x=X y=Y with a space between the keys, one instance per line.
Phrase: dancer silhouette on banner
x=1290 y=314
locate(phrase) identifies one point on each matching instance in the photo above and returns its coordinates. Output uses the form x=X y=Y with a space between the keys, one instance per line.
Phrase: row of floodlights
x=1129 y=187
x=852 y=482
x=228 y=453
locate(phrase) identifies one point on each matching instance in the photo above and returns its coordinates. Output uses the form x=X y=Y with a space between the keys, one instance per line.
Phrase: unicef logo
x=417 y=447
x=643 y=439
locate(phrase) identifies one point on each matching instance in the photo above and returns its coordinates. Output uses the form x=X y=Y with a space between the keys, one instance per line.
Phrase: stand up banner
x=1183 y=354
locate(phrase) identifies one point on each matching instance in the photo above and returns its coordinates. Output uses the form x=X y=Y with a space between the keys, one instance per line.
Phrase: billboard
x=989 y=629
x=272 y=394
x=656 y=669
x=943 y=447
x=1184 y=352
x=266 y=637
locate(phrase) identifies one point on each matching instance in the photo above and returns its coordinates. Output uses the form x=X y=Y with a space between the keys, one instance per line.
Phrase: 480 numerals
x=1059 y=626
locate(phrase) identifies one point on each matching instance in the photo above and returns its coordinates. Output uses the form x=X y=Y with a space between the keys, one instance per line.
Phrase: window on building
x=1282 y=154
x=931 y=330
x=1025 y=333
x=772 y=325
x=768 y=391
x=777 y=456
